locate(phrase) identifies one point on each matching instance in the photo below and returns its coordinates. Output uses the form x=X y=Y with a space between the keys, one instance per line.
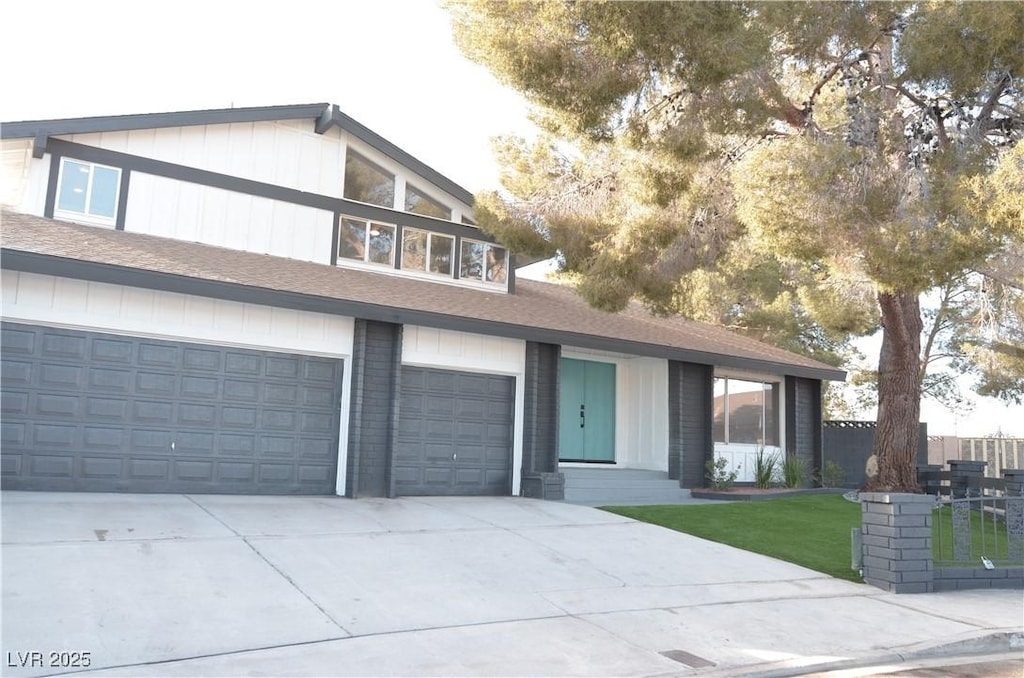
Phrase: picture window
x=746 y=412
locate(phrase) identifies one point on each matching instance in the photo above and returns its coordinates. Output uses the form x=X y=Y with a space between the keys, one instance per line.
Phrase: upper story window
x=419 y=203
x=366 y=182
x=483 y=261
x=367 y=241
x=746 y=412
x=428 y=252
x=87 y=191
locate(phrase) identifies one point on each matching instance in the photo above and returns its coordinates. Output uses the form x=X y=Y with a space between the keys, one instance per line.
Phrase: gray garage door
x=455 y=433
x=102 y=412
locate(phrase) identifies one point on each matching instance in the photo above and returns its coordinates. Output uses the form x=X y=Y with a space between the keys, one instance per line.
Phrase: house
x=278 y=300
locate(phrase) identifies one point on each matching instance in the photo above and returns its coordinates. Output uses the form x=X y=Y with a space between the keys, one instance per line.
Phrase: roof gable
x=324 y=116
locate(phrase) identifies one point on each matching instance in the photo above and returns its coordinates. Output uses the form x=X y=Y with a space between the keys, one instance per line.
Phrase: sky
x=390 y=64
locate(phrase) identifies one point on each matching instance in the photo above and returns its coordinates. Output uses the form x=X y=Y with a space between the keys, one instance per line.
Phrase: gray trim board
x=335 y=238
x=31 y=262
x=51 y=187
x=122 y=199
x=39 y=145
x=117 y=123
x=126 y=161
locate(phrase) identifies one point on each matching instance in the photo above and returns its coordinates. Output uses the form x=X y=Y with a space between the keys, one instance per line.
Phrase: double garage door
x=103 y=412
x=454 y=433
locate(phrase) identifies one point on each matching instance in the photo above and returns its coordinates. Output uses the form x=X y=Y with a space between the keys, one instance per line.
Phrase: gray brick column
x=962 y=470
x=897 y=541
x=541 y=478
x=1014 y=478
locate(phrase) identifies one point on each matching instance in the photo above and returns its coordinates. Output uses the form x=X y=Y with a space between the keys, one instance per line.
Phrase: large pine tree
x=808 y=169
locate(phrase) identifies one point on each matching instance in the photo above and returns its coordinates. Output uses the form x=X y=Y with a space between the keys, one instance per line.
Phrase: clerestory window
x=368 y=241
x=366 y=182
x=427 y=252
x=483 y=261
x=417 y=202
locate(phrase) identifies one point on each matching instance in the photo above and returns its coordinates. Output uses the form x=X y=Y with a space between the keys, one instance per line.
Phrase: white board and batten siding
x=23 y=177
x=641 y=408
x=283 y=153
x=466 y=352
x=65 y=302
x=185 y=211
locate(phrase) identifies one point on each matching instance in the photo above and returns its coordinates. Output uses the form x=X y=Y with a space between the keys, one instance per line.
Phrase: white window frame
x=85 y=217
x=778 y=415
x=426 y=255
x=368 y=223
x=483 y=280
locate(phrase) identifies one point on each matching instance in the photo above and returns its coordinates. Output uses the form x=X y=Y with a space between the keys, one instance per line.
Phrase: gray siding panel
x=690 y=401
x=101 y=412
x=376 y=355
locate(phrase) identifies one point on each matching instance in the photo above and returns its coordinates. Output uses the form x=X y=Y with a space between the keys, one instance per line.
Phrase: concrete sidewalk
x=154 y=585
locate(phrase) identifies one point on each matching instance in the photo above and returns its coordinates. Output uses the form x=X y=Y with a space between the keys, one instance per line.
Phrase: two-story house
x=278 y=300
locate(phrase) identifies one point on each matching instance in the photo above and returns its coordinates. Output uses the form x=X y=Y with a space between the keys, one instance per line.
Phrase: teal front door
x=586 y=430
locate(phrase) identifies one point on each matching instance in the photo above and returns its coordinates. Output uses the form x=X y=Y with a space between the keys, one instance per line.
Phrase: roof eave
x=33 y=262
x=27 y=129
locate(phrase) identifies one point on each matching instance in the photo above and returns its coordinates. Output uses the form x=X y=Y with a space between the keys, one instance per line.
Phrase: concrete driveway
x=223 y=585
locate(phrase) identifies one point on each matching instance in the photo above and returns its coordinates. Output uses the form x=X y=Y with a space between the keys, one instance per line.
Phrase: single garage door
x=103 y=412
x=455 y=433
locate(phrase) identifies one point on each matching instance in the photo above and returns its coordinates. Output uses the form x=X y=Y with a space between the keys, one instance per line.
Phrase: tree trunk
x=899 y=393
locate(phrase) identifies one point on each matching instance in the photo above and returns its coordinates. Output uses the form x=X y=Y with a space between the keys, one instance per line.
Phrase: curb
x=981 y=643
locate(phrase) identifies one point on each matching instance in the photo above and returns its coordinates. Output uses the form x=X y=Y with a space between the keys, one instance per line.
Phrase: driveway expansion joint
x=274 y=567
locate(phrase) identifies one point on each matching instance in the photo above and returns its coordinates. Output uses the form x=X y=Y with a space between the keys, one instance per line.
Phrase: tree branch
x=937 y=324
x=993 y=98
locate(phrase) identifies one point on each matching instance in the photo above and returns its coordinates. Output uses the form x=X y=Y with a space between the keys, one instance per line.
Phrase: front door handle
x=583 y=416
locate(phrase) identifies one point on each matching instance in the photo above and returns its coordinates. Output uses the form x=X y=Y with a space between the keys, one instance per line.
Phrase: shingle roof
x=537 y=311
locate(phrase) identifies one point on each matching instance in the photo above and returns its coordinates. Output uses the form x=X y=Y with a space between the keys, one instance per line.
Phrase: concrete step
x=615 y=486
x=617 y=479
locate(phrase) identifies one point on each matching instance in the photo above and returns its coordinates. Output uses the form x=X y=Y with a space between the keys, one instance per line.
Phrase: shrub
x=833 y=475
x=765 y=468
x=719 y=477
x=794 y=471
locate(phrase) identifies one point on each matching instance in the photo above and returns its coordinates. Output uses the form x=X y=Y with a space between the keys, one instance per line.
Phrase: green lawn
x=812 y=530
